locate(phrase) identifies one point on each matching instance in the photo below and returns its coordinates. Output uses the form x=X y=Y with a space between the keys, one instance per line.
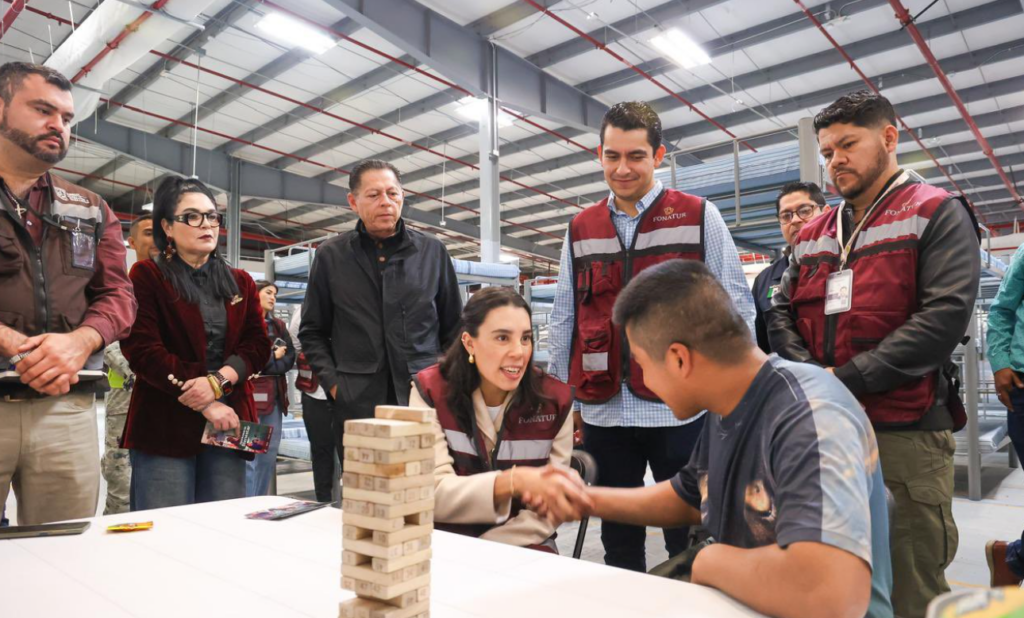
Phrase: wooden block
x=397 y=537
x=401 y=413
x=379 y=497
x=351 y=454
x=348 y=583
x=401 y=510
x=413 y=546
x=385 y=470
x=349 y=479
x=422 y=518
x=368 y=455
x=403 y=482
x=373 y=523
x=389 y=457
x=390 y=610
x=423 y=594
x=369 y=548
x=415 y=494
x=360 y=427
x=367 y=574
x=383 y=444
x=412 y=468
x=380 y=591
x=427 y=440
x=367 y=482
x=356 y=507
x=372 y=608
x=352 y=558
x=389 y=428
x=354 y=533
x=389 y=565
x=358 y=608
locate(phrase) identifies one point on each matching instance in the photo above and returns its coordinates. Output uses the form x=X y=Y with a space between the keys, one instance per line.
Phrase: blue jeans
x=622 y=455
x=214 y=474
x=259 y=471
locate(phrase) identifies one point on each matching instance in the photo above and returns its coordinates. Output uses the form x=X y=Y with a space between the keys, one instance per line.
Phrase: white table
x=209 y=561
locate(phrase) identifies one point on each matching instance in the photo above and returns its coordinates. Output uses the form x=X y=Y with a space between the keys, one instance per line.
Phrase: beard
x=31 y=145
x=865 y=180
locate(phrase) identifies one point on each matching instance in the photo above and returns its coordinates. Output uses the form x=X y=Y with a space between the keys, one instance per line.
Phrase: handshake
x=554 y=492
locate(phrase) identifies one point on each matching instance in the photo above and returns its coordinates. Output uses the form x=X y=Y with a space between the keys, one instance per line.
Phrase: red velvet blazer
x=168 y=337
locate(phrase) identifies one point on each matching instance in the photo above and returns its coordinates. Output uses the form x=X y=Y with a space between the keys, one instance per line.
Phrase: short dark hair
x=632 y=115
x=135 y=224
x=362 y=167
x=680 y=301
x=13 y=73
x=862 y=108
x=812 y=190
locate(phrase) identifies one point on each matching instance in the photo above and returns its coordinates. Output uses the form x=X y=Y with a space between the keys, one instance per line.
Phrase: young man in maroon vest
x=626 y=427
x=66 y=296
x=880 y=291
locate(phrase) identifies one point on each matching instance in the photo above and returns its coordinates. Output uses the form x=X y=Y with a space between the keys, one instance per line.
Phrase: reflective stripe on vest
x=596 y=246
x=910 y=227
x=519 y=450
x=460 y=442
x=671 y=236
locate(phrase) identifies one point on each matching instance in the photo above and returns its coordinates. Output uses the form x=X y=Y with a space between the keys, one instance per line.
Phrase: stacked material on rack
x=388 y=514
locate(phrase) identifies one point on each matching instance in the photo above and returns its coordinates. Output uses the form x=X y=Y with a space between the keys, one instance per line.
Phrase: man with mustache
x=66 y=297
x=626 y=427
x=880 y=291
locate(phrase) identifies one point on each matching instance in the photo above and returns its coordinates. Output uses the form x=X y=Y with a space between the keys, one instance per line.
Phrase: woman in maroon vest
x=270 y=392
x=500 y=422
x=197 y=338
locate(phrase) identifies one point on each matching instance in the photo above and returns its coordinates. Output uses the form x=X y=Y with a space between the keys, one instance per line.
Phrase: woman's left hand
x=279 y=352
x=198 y=393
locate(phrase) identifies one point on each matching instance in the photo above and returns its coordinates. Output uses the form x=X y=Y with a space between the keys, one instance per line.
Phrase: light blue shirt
x=626 y=409
x=1005 y=340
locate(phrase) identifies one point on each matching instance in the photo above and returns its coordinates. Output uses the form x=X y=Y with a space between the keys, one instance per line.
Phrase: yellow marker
x=146 y=525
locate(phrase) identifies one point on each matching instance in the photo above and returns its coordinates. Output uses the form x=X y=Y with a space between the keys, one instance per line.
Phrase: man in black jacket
x=797 y=203
x=880 y=291
x=382 y=302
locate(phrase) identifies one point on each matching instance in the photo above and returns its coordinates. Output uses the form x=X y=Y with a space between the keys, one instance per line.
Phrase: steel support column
x=810 y=163
x=234 y=215
x=490 y=199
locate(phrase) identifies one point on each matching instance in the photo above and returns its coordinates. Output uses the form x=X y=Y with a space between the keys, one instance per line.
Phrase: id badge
x=839 y=292
x=83 y=250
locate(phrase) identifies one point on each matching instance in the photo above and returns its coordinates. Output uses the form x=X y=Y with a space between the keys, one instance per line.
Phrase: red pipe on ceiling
x=116 y=41
x=10 y=15
x=645 y=74
x=908 y=23
x=871 y=85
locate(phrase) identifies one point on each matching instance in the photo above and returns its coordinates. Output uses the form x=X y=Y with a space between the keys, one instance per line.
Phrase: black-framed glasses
x=195 y=219
x=805 y=212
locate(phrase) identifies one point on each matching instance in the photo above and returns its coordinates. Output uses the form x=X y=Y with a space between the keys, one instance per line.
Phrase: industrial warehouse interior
x=459 y=308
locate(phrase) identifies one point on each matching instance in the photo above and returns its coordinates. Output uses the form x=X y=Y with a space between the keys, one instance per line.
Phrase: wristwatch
x=225 y=384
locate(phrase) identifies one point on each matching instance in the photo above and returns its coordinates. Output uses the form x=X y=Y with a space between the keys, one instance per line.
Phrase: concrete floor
x=999 y=515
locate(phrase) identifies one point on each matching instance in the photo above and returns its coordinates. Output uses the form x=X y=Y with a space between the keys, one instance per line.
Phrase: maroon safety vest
x=525 y=437
x=884 y=265
x=671 y=228
x=269 y=391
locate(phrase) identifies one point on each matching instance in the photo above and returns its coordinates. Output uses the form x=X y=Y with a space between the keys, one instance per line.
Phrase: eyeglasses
x=195 y=219
x=804 y=212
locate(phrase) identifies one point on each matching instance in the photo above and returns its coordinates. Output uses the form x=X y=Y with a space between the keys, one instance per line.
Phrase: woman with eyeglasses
x=198 y=336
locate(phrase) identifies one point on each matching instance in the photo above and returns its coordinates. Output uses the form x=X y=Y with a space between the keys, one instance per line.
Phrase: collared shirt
x=380 y=251
x=626 y=409
x=215 y=317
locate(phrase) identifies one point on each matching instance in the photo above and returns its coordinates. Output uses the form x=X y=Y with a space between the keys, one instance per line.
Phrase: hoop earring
x=169 y=250
x=472 y=359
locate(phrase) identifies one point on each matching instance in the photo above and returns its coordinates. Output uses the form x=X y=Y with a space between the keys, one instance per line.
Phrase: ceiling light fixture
x=472 y=108
x=293 y=32
x=680 y=48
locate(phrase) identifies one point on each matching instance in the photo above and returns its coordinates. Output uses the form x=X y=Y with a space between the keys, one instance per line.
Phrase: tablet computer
x=27 y=532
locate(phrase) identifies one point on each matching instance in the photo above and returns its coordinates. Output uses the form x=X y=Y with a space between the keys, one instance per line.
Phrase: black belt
x=16 y=393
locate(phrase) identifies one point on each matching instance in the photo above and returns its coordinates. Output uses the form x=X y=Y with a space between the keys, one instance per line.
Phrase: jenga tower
x=388 y=514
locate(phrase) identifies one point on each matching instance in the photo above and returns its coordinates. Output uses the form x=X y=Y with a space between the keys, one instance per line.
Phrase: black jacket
x=765 y=286
x=357 y=335
x=948 y=272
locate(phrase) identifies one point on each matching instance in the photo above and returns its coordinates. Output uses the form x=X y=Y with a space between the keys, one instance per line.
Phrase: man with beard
x=66 y=297
x=880 y=291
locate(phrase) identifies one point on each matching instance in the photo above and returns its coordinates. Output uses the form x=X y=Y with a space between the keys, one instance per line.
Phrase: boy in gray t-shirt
x=785 y=475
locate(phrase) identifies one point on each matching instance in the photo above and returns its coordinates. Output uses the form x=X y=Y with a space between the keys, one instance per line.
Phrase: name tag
x=259 y=397
x=839 y=292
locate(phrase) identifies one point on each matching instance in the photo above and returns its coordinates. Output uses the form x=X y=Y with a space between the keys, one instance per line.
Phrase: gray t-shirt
x=795 y=461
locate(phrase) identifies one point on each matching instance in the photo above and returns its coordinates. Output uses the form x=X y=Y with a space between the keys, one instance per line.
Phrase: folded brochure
x=288 y=510
x=248 y=437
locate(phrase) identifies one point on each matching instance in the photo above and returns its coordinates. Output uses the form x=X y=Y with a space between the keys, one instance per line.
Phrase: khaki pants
x=918 y=470
x=49 y=452
x=116 y=467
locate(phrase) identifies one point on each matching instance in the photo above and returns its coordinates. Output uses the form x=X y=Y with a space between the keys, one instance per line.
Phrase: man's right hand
x=555 y=492
x=222 y=416
x=1006 y=381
